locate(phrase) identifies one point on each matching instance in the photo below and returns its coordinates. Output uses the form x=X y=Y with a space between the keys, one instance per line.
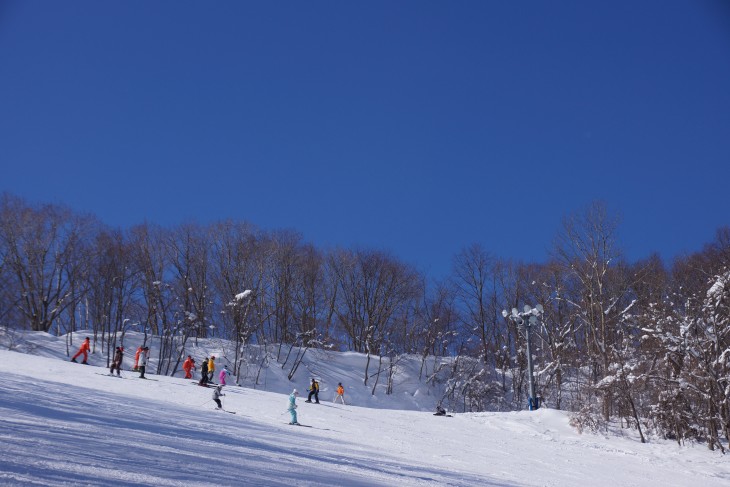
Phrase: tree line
x=643 y=343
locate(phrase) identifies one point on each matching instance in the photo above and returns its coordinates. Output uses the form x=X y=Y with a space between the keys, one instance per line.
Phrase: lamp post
x=524 y=321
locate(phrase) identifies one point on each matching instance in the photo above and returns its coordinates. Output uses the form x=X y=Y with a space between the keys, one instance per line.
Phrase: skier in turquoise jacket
x=293 y=406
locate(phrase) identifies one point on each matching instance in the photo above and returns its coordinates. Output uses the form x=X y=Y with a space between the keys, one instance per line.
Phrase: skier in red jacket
x=188 y=367
x=136 y=358
x=84 y=349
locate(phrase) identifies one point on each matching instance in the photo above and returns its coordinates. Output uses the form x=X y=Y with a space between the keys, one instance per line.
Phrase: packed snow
x=71 y=424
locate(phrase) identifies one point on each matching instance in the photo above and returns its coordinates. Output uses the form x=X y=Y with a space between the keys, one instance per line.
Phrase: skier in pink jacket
x=222 y=376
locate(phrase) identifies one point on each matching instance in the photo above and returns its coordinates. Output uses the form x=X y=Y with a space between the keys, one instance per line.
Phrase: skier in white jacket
x=217 y=395
x=293 y=406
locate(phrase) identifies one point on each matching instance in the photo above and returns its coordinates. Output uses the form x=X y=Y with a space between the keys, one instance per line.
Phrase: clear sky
x=412 y=126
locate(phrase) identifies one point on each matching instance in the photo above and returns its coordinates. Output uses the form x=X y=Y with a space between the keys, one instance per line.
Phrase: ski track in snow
x=65 y=424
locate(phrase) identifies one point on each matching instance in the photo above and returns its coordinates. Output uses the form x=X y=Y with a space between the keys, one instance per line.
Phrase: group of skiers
x=140 y=358
x=313 y=392
x=207 y=371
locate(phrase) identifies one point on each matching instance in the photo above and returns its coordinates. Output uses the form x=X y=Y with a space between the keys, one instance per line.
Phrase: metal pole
x=531 y=401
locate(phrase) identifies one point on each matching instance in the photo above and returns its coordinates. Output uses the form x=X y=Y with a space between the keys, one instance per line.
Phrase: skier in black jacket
x=204 y=372
x=117 y=362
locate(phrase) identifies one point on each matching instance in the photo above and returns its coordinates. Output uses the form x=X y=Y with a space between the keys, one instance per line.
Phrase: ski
x=299 y=424
x=110 y=375
x=225 y=410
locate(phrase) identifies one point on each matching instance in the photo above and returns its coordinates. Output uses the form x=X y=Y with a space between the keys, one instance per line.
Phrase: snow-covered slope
x=68 y=424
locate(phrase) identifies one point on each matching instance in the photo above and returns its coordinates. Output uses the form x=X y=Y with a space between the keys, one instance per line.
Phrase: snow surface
x=69 y=424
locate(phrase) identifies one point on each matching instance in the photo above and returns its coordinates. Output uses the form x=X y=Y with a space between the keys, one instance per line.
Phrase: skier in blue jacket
x=293 y=406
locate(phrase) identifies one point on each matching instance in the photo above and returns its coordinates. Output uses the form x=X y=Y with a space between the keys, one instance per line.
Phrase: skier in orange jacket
x=136 y=358
x=188 y=367
x=85 y=348
x=340 y=394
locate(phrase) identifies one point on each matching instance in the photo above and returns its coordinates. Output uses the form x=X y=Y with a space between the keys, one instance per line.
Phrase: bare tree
x=436 y=324
x=475 y=278
x=373 y=289
x=112 y=284
x=45 y=256
x=587 y=248
x=239 y=261
x=188 y=250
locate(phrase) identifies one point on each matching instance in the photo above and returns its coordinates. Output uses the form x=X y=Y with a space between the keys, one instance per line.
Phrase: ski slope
x=70 y=424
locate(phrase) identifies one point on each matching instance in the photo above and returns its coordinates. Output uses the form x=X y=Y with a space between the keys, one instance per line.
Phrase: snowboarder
x=142 y=363
x=216 y=396
x=313 y=391
x=140 y=349
x=84 y=349
x=293 y=406
x=211 y=368
x=340 y=394
x=222 y=376
x=117 y=362
x=188 y=367
x=203 y=372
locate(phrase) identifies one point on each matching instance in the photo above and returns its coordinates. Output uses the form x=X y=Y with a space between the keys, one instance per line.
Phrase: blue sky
x=415 y=127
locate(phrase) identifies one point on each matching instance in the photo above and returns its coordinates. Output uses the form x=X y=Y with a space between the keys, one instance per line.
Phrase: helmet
x=295 y=392
x=212 y=357
x=219 y=386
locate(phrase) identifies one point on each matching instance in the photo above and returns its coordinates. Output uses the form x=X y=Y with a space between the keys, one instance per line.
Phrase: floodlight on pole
x=526 y=320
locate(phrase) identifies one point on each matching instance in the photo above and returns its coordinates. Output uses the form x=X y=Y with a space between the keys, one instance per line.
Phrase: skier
x=203 y=372
x=84 y=349
x=188 y=367
x=142 y=363
x=439 y=411
x=340 y=393
x=313 y=391
x=216 y=396
x=293 y=406
x=222 y=376
x=140 y=349
x=117 y=362
x=211 y=368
